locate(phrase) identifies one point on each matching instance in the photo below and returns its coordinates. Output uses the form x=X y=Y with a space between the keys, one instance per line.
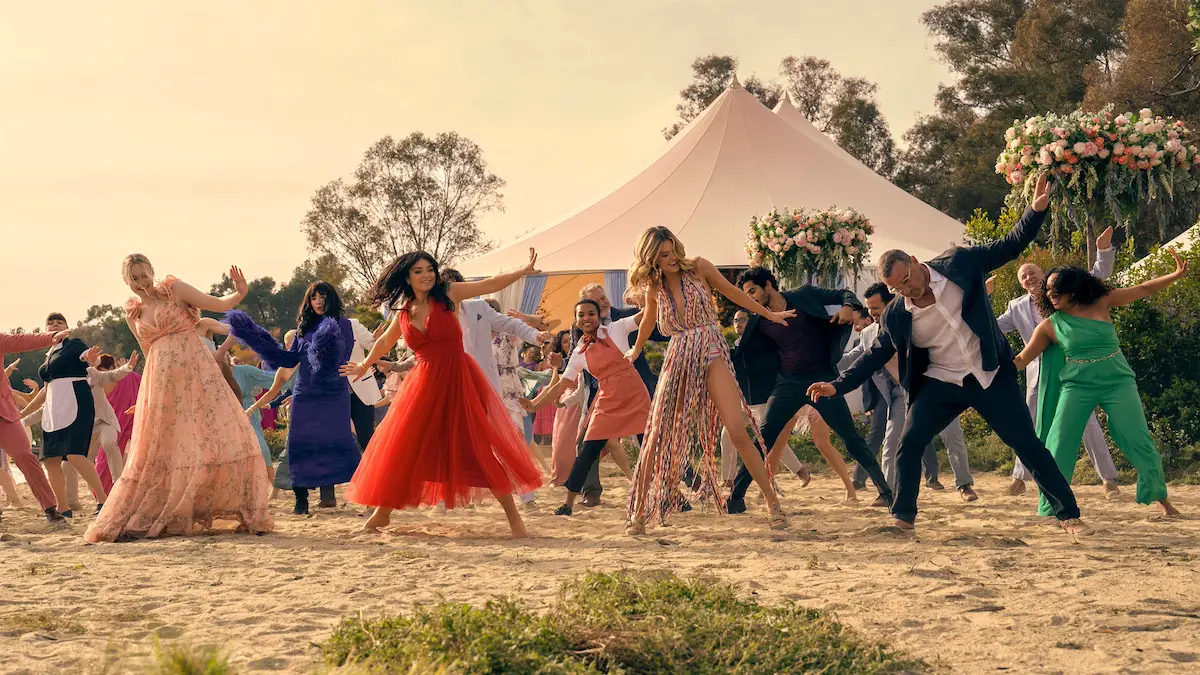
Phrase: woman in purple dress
x=322 y=452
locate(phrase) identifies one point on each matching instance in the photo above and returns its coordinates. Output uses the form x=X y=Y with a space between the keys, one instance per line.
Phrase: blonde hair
x=589 y=288
x=645 y=256
x=128 y=263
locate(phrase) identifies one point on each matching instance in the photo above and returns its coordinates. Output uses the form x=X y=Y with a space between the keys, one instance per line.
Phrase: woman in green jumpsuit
x=1083 y=367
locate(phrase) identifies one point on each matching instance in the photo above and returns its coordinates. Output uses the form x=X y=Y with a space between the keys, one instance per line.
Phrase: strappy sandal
x=778 y=521
x=635 y=527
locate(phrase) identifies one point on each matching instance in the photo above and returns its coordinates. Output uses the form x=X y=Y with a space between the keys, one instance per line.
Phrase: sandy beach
x=983 y=587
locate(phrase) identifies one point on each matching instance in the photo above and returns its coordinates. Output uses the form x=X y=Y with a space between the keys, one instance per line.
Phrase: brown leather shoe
x=327 y=504
x=968 y=494
x=591 y=500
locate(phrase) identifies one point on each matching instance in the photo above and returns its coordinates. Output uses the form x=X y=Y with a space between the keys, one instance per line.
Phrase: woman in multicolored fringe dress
x=697 y=394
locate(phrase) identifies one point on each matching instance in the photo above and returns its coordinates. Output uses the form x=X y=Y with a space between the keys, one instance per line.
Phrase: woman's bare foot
x=903 y=524
x=519 y=531
x=1168 y=510
x=851 y=499
x=635 y=527
x=377 y=520
x=1075 y=526
x=778 y=520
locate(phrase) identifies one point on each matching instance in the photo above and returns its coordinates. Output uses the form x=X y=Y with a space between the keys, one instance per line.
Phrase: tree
x=710 y=76
x=420 y=192
x=275 y=306
x=843 y=108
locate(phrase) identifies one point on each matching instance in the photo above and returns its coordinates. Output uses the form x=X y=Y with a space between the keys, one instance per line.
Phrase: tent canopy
x=736 y=160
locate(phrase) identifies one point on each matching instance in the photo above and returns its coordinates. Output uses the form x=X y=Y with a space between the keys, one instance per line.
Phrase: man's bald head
x=1030 y=276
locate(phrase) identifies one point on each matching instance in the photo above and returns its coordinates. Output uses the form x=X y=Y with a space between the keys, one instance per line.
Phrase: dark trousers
x=879 y=420
x=1002 y=406
x=327 y=494
x=586 y=462
x=363 y=417
x=791 y=394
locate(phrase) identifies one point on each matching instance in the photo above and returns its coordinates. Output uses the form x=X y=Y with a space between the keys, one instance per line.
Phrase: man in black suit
x=952 y=356
x=808 y=349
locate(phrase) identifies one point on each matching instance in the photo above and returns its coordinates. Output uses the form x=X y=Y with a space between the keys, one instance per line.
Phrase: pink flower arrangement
x=797 y=242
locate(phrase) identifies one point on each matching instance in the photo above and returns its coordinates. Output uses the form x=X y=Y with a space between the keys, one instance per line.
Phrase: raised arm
x=261 y=342
x=188 y=294
x=1043 y=335
x=103 y=378
x=1010 y=246
x=210 y=327
x=719 y=283
x=836 y=296
x=1105 y=255
x=469 y=289
x=1119 y=297
x=509 y=325
x=866 y=365
x=356 y=371
x=12 y=344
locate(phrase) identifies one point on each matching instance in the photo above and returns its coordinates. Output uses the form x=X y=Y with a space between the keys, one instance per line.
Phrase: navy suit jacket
x=967 y=267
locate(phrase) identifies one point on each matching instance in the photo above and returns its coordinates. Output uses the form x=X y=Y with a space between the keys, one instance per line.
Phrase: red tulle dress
x=447 y=436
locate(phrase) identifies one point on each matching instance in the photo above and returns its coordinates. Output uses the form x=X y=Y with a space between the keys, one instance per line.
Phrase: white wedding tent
x=736 y=160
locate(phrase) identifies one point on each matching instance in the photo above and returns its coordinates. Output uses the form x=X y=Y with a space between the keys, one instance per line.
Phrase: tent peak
x=733 y=82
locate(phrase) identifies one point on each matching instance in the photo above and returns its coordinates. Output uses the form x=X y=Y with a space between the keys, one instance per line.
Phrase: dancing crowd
x=182 y=445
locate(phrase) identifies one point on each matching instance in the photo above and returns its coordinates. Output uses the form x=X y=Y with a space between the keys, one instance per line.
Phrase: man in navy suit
x=952 y=356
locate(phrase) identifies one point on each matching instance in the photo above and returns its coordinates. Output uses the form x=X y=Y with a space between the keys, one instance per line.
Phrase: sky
x=196 y=133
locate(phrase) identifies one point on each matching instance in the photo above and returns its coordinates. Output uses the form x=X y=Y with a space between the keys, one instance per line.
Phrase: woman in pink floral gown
x=193 y=457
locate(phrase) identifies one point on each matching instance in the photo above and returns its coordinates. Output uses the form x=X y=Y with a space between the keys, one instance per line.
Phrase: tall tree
x=420 y=192
x=710 y=76
x=842 y=107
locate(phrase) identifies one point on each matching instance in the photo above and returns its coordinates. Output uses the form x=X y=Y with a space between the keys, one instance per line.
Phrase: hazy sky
x=197 y=132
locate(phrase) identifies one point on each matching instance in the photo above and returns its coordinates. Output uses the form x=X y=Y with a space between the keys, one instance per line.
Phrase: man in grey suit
x=1022 y=316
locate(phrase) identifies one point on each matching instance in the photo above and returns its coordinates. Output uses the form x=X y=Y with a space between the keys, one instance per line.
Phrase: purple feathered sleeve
x=260 y=341
x=325 y=348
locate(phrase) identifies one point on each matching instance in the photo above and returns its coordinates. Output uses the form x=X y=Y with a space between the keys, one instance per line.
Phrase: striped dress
x=684 y=429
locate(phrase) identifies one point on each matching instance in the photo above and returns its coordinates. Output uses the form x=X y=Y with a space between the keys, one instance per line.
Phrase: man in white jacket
x=1022 y=316
x=364 y=393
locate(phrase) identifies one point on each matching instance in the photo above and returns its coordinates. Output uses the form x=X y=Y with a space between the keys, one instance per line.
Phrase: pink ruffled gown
x=193 y=457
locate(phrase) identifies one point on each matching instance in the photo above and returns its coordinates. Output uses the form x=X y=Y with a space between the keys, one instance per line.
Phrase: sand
x=982 y=587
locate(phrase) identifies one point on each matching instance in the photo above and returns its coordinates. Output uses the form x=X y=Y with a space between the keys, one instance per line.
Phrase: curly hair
x=645 y=256
x=759 y=276
x=1074 y=283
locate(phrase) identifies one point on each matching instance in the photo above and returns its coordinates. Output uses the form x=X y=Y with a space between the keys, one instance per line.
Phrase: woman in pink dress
x=193 y=457
x=622 y=403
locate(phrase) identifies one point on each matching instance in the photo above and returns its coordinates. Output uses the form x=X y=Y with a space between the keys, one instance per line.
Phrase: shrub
x=276 y=441
x=615 y=623
x=185 y=660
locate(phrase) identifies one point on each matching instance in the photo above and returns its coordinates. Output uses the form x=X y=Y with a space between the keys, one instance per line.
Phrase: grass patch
x=614 y=623
x=180 y=659
x=41 y=620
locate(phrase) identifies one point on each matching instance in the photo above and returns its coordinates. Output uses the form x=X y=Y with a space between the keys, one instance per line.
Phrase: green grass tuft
x=180 y=659
x=614 y=623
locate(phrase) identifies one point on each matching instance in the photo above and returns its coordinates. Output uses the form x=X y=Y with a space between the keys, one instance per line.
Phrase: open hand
x=32 y=384
x=1041 y=193
x=92 y=355
x=12 y=366
x=545 y=337
x=555 y=360
x=780 y=317
x=354 y=371
x=1181 y=265
x=528 y=405
x=633 y=354
x=531 y=268
x=844 y=315
x=133 y=360
x=61 y=335
x=239 y=280
x=1104 y=241
x=821 y=390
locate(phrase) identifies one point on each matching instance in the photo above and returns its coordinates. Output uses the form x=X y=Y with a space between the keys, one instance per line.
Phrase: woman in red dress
x=446 y=434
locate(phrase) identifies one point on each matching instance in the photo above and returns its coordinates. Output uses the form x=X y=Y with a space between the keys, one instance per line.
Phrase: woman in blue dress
x=322 y=451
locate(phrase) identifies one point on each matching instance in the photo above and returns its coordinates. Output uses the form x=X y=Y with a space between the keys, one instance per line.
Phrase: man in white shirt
x=952 y=356
x=1022 y=316
x=364 y=393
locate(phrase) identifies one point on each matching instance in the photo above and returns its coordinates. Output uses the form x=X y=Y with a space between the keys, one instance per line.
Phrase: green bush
x=615 y=623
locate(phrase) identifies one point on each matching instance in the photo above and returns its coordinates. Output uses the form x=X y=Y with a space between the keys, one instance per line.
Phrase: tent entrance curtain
x=531 y=295
x=614 y=287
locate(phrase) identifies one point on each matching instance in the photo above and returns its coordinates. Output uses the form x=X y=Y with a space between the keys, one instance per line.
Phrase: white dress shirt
x=954 y=351
x=366 y=389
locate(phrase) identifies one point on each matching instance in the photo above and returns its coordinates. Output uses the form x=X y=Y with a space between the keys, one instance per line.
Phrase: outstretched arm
x=719 y=283
x=996 y=254
x=1043 y=335
x=35 y=403
x=188 y=294
x=1119 y=297
x=281 y=377
x=510 y=325
x=469 y=289
x=1105 y=255
x=866 y=365
x=10 y=343
x=356 y=371
x=261 y=342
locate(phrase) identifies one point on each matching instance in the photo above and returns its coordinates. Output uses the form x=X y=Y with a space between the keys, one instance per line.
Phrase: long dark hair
x=1075 y=283
x=306 y=319
x=393 y=289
